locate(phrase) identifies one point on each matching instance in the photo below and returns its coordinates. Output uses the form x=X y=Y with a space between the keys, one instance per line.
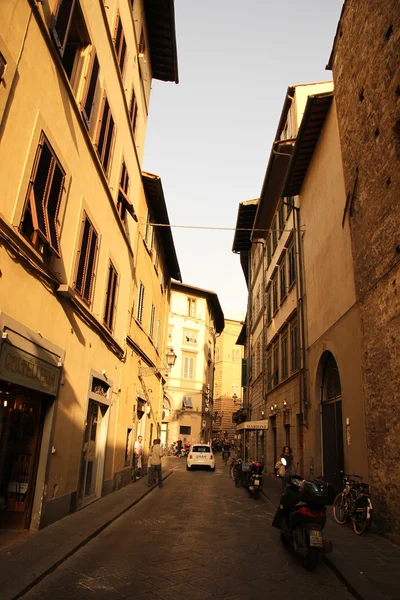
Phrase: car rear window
x=201 y=449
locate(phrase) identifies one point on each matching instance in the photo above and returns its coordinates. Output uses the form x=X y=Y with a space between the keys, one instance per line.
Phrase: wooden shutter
x=53 y=203
x=90 y=266
x=41 y=179
x=109 y=142
x=62 y=23
x=86 y=260
x=89 y=95
x=110 y=306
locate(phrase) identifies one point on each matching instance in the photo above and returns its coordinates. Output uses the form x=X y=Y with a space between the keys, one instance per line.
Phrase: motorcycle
x=255 y=482
x=301 y=517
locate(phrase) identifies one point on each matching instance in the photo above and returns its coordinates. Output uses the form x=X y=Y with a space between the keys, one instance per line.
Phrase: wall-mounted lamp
x=284 y=404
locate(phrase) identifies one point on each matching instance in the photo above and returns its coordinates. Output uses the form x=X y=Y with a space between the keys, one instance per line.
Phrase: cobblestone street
x=197 y=538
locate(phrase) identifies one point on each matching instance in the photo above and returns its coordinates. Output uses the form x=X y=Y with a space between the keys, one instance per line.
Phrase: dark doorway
x=332 y=423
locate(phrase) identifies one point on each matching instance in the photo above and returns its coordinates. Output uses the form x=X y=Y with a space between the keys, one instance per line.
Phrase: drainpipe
x=302 y=369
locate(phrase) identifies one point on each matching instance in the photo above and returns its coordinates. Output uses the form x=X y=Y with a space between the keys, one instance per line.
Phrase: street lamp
x=171 y=358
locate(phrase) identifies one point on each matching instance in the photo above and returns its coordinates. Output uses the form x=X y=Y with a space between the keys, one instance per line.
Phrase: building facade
x=228 y=395
x=195 y=321
x=365 y=65
x=75 y=82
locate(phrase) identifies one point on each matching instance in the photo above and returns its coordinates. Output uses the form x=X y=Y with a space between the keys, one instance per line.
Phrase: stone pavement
x=27 y=562
x=368 y=564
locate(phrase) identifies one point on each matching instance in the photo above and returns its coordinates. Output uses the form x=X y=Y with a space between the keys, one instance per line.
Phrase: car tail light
x=308 y=512
x=190 y=456
x=211 y=457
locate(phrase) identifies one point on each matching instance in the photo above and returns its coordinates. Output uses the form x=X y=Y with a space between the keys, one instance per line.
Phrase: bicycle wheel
x=361 y=522
x=340 y=509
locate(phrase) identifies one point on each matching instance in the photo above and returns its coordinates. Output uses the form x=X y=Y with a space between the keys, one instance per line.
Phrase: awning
x=252 y=425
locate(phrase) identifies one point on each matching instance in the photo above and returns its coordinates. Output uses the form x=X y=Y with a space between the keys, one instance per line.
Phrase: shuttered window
x=105 y=134
x=90 y=89
x=152 y=318
x=39 y=221
x=111 y=298
x=188 y=367
x=123 y=201
x=120 y=45
x=133 y=111
x=139 y=312
x=294 y=347
x=292 y=263
x=62 y=23
x=86 y=261
x=284 y=356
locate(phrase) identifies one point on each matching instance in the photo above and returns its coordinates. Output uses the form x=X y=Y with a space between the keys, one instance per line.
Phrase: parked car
x=200 y=455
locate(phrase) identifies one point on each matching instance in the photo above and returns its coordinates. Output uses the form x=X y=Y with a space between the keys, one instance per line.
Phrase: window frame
x=89 y=266
x=105 y=150
x=140 y=304
x=282 y=278
x=275 y=294
x=110 y=307
x=133 y=111
x=188 y=367
x=152 y=320
x=191 y=303
x=291 y=256
x=120 y=46
x=284 y=356
x=89 y=92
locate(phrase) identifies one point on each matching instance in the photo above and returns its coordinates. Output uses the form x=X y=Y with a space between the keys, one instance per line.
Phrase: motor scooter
x=254 y=481
x=301 y=517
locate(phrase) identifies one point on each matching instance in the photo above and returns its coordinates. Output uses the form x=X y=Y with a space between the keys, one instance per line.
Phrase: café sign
x=17 y=366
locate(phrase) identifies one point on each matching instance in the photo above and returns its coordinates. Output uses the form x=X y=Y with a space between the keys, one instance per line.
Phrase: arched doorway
x=332 y=424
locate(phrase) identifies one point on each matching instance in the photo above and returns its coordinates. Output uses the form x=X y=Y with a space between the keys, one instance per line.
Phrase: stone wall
x=366 y=71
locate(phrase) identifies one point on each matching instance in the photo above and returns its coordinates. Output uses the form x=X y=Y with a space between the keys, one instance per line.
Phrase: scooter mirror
x=283 y=461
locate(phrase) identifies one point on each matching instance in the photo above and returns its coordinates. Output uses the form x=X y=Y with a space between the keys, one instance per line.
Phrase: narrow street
x=197 y=538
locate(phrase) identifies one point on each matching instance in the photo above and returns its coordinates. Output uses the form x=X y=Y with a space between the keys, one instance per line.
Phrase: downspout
x=302 y=369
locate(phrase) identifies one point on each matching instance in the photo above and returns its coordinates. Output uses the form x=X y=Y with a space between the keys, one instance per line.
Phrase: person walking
x=179 y=447
x=138 y=451
x=155 y=463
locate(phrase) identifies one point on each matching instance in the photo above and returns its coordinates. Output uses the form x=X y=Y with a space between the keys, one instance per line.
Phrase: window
x=39 y=220
x=190 y=337
x=274 y=294
x=294 y=347
x=235 y=355
x=274 y=235
x=139 y=312
x=149 y=232
x=105 y=134
x=158 y=333
x=185 y=430
x=133 y=111
x=292 y=263
x=152 y=320
x=90 y=89
x=123 y=201
x=111 y=298
x=188 y=367
x=289 y=205
x=269 y=369
x=191 y=307
x=187 y=402
x=282 y=278
x=269 y=305
x=282 y=220
x=70 y=35
x=120 y=45
x=86 y=261
x=284 y=356
x=269 y=251
x=142 y=43
x=3 y=65
x=275 y=377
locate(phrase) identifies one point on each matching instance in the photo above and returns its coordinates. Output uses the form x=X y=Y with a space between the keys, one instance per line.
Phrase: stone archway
x=332 y=423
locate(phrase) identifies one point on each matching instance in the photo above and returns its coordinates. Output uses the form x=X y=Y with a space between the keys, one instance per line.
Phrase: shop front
x=29 y=380
x=250 y=439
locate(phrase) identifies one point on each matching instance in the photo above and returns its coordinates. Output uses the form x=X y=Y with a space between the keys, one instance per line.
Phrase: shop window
x=133 y=111
x=120 y=45
x=89 y=93
x=39 y=220
x=111 y=298
x=3 y=65
x=70 y=35
x=139 y=312
x=152 y=319
x=185 y=430
x=86 y=261
x=105 y=135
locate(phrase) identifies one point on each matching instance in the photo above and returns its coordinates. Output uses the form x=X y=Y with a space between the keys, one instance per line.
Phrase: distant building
x=365 y=62
x=195 y=321
x=228 y=396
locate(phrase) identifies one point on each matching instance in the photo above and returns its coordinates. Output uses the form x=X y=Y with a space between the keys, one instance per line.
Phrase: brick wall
x=366 y=72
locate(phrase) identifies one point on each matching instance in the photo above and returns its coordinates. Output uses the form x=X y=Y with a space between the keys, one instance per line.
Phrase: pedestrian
x=288 y=456
x=179 y=447
x=137 y=456
x=155 y=462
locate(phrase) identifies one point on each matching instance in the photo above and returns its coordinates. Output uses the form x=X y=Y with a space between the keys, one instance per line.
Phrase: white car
x=200 y=455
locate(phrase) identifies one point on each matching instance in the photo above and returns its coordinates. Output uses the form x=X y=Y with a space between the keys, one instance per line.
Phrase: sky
x=209 y=137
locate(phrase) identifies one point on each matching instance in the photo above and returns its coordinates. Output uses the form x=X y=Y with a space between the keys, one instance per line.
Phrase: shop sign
x=17 y=366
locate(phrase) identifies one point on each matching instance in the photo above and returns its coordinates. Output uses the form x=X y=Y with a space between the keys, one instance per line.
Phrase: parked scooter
x=255 y=481
x=301 y=517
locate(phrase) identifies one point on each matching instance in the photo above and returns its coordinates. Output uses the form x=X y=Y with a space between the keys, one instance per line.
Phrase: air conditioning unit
x=143 y=66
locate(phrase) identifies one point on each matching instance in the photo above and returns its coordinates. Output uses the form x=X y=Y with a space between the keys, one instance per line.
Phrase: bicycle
x=234 y=467
x=353 y=504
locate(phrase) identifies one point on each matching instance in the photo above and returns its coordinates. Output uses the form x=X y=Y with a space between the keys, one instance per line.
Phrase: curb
x=83 y=542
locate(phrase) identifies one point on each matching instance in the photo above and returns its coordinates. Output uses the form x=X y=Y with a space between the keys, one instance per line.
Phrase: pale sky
x=209 y=137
